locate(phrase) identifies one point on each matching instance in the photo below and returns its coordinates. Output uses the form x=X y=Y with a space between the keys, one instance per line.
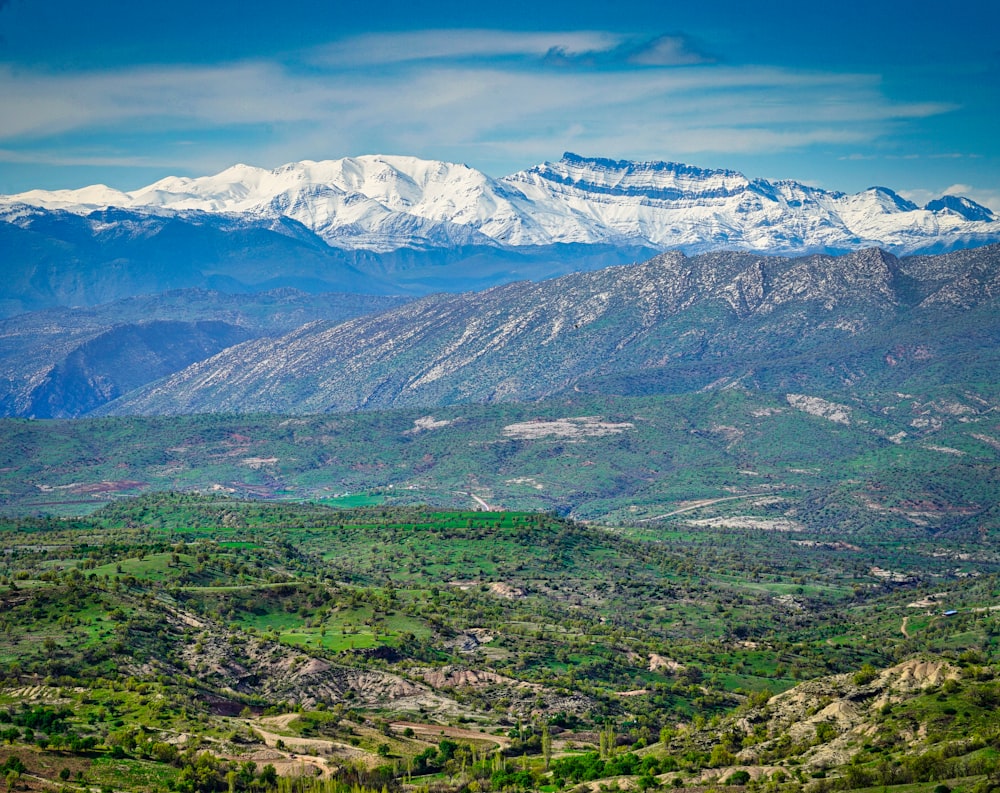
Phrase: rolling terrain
x=894 y=466
x=195 y=643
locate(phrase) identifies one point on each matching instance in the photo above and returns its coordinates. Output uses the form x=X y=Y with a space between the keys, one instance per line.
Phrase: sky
x=843 y=95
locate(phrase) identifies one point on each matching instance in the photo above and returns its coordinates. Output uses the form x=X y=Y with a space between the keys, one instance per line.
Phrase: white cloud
x=424 y=45
x=988 y=198
x=442 y=93
x=242 y=93
x=668 y=51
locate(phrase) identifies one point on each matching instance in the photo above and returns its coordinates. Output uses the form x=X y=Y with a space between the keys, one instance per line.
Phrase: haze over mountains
x=393 y=224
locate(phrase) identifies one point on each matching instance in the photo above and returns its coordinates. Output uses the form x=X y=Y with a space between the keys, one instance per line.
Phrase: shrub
x=865 y=675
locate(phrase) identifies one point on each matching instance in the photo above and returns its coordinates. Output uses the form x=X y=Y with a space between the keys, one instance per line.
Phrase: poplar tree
x=546 y=745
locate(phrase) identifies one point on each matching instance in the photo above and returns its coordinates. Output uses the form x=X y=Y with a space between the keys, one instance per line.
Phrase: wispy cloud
x=381 y=49
x=44 y=157
x=493 y=94
x=675 y=50
x=988 y=198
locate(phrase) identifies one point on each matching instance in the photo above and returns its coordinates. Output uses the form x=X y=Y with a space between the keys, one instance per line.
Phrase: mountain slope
x=731 y=314
x=60 y=258
x=123 y=359
x=64 y=362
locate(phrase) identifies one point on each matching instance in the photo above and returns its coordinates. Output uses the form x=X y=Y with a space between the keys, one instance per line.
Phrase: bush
x=865 y=675
x=13 y=764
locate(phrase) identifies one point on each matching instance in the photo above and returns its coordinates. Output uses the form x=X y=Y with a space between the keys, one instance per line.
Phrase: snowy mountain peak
x=627 y=178
x=388 y=202
x=80 y=201
x=889 y=200
x=965 y=207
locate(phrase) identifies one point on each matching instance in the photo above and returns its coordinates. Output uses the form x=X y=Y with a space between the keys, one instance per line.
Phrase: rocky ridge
x=726 y=316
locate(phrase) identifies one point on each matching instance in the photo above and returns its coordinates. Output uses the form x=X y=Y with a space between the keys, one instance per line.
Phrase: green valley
x=720 y=523
x=196 y=642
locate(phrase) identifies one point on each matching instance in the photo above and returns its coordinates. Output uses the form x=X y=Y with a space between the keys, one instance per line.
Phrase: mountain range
x=402 y=225
x=377 y=282
x=383 y=203
x=673 y=324
x=64 y=362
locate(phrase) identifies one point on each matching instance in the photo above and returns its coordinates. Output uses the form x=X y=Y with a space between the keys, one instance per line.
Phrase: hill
x=891 y=466
x=181 y=642
x=860 y=320
x=65 y=362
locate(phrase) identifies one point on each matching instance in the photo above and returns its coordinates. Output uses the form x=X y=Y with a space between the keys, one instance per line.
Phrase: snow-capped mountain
x=387 y=203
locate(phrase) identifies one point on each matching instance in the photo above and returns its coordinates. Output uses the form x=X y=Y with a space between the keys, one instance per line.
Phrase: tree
x=546 y=745
x=721 y=756
x=865 y=675
x=268 y=775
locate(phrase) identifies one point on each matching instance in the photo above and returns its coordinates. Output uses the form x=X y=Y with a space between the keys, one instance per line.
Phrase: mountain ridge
x=387 y=202
x=730 y=313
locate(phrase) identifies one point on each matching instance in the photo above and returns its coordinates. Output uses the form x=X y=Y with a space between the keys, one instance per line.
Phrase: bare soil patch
x=436 y=731
x=578 y=427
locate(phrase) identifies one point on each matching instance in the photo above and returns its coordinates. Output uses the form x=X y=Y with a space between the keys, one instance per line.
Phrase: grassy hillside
x=907 y=470
x=188 y=642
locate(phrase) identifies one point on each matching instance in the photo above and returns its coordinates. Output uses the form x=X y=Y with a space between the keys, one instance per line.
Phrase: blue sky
x=844 y=96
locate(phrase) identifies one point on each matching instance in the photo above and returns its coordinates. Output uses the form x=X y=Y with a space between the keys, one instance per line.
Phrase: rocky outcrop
x=830 y=718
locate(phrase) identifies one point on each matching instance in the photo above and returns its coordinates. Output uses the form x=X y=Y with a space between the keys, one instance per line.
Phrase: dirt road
x=697 y=505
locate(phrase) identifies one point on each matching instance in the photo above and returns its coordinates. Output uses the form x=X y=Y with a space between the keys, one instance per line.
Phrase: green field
x=184 y=633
